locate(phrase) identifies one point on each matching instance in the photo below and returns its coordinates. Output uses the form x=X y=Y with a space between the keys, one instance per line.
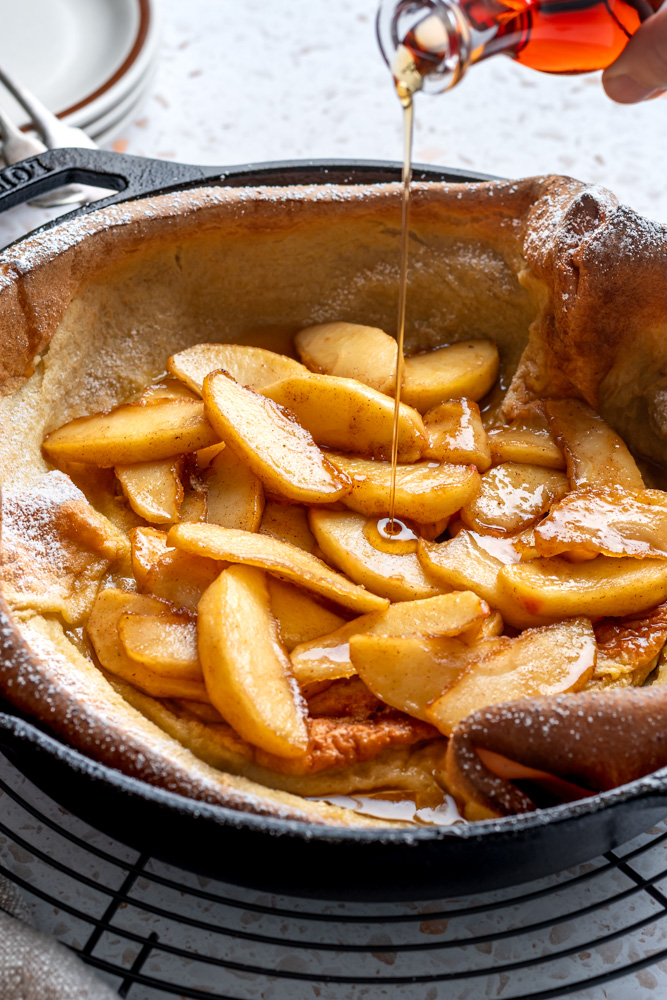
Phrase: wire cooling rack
x=597 y=932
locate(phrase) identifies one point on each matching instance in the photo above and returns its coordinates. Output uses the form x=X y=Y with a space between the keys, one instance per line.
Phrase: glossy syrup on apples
x=391 y=527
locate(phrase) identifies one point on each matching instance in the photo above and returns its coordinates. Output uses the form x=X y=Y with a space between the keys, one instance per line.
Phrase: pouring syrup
x=406 y=85
x=430 y=44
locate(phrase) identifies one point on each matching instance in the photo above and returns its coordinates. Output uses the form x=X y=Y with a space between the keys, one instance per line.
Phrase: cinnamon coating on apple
x=294 y=633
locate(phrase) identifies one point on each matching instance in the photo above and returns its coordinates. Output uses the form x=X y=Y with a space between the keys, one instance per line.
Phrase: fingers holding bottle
x=640 y=72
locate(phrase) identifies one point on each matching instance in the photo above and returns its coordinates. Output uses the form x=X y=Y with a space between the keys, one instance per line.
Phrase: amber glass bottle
x=429 y=44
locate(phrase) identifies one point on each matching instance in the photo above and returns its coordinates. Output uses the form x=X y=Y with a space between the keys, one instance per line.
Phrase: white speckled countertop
x=251 y=81
x=242 y=82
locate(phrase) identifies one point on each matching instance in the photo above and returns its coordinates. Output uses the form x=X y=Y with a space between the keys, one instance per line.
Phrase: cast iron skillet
x=285 y=856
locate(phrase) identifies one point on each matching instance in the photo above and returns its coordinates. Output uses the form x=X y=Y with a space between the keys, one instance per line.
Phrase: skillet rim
x=134 y=179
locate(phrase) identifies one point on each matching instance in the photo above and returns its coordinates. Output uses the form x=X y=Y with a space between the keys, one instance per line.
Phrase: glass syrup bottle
x=429 y=44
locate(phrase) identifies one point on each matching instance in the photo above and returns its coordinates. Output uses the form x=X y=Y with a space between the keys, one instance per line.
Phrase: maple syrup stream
x=391 y=527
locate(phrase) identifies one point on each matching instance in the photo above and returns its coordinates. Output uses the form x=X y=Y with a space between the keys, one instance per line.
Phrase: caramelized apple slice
x=165 y=643
x=513 y=497
x=133 y=433
x=246 y=669
x=148 y=546
x=466 y=369
x=195 y=501
x=102 y=629
x=350 y=350
x=269 y=440
x=235 y=498
x=595 y=454
x=410 y=671
x=328 y=657
x=456 y=434
x=473 y=562
x=205 y=456
x=433 y=529
x=288 y=523
x=527 y=443
x=392 y=570
x=342 y=413
x=613 y=522
x=283 y=560
x=153 y=489
x=300 y=617
x=542 y=661
x=425 y=491
x=167 y=388
x=167 y=572
x=487 y=629
x=601 y=587
x=628 y=649
x=251 y=366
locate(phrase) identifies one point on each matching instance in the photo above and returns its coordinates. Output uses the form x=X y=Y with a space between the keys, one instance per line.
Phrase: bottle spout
x=425 y=43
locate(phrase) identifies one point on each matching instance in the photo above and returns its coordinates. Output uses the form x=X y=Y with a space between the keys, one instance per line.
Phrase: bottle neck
x=429 y=44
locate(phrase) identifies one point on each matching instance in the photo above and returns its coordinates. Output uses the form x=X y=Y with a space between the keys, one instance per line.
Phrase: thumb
x=640 y=71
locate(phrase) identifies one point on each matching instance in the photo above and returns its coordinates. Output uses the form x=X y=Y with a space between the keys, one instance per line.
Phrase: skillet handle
x=129 y=176
x=134 y=176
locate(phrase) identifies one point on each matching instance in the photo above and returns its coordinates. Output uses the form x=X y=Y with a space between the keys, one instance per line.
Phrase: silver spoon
x=56 y=135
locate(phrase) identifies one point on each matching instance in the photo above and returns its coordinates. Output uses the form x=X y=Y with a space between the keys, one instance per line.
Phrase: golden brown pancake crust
x=106 y=298
x=596 y=740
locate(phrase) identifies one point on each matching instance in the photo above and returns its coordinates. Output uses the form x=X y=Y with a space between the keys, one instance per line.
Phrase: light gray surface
x=565 y=916
x=240 y=82
x=259 y=81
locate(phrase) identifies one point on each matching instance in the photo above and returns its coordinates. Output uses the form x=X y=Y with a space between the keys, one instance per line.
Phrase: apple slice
x=201 y=710
x=328 y=657
x=425 y=491
x=133 y=433
x=235 y=498
x=410 y=671
x=350 y=350
x=513 y=497
x=168 y=573
x=600 y=587
x=102 y=628
x=288 y=523
x=474 y=562
x=487 y=629
x=300 y=617
x=347 y=541
x=527 y=443
x=456 y=434
x=467 y=369
x=283 y=560
x=541 y=661
x=595 y=454
x=251 y=366
x=342 y=413
x=613 y=522
x=195 y=500
x=270 y=441
x=153 y=489
x=205 y=456
x=165 y=643
x=246 y=669
x=167 y=388
x=629 y=648
x=433 y=529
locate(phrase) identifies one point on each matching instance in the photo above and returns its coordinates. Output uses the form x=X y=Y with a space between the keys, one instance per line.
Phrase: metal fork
x=55 y=135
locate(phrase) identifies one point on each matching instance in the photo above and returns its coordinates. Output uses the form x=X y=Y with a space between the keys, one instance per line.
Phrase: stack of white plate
x=90 y=61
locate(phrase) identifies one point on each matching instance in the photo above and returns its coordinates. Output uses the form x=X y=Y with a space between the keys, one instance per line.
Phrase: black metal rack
x=155 y=931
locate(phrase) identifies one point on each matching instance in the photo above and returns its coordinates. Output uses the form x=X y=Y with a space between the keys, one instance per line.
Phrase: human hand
x=640 y=72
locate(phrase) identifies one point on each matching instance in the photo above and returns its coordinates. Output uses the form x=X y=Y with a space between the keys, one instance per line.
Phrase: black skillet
x=283 y=856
